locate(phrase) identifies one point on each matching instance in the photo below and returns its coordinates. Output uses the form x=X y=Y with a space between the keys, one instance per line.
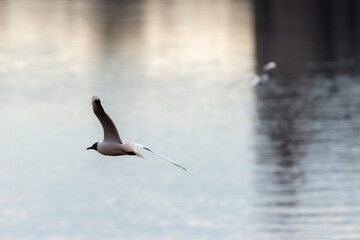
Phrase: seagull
x=112 y=144
x=254 y=78
x=264 y=76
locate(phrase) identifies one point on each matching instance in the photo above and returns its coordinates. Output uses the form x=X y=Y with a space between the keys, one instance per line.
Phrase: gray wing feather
x=110 y=131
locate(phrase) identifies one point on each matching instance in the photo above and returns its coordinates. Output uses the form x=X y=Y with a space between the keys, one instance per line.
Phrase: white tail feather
x=176 y=164
x=137 y=145
x=139 y=155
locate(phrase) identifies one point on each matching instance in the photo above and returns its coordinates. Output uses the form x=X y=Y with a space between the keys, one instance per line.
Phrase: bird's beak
x=93 y=146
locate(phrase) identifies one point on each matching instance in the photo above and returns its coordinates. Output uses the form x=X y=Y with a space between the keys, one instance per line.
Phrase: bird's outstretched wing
x=137 y=145
x=270 y=65
x=110 y=131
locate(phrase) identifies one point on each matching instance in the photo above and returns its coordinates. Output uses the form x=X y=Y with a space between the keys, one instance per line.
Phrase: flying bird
x=112 y=144
x=263 y=76
x=258 y=78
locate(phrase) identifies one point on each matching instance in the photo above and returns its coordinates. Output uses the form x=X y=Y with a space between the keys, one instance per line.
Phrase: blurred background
x=279 y=160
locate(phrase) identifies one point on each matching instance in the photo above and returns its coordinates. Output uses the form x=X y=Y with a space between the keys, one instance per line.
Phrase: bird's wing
x=269 y=66
x=254 y=80
x=137 y=145
x=110 y=131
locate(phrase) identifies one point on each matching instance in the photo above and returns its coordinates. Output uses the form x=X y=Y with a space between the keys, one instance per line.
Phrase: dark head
x=94 y=146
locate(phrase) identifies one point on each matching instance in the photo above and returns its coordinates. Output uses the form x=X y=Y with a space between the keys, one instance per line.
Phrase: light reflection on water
x=276 y=161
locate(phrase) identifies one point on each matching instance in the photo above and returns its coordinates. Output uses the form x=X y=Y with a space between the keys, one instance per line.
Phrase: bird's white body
x=111 y=148
x=117 y=149
x=112 y=144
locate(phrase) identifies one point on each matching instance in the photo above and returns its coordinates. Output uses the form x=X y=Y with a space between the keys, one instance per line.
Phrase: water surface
x=275 y=161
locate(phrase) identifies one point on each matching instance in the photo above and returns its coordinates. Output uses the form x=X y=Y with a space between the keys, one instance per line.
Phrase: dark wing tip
x=97 y=101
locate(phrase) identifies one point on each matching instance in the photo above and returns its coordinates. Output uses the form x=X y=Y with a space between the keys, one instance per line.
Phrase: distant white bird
x=112 y=144
x=255 y=79
x=263 y=76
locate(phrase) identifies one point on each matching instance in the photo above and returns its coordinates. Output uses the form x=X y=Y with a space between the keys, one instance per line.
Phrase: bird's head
x=94 y=146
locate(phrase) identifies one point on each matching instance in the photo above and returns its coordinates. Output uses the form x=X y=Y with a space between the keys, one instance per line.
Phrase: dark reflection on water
x=308 y=35
x=309 y=116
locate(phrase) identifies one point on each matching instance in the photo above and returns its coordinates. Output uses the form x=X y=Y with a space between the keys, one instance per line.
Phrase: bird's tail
x=137 y=145
x=139 y=155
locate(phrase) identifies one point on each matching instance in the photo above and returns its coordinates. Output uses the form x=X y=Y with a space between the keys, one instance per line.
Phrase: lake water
x=276 y=161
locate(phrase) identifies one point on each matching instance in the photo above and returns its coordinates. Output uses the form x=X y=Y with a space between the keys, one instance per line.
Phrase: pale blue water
x=278 y=161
